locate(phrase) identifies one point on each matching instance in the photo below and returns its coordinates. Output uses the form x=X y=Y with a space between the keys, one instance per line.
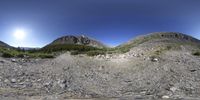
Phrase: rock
x=13 y=80
x=13 y=60
x=155 y=59
x=62 y=85
x=193 y=70
x=165 y=97
x=173 y=89
x=6 y=80
x=1 y=61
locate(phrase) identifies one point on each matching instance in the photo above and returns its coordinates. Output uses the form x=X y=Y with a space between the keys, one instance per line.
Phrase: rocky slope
x=2 y=44
x=165 y=37
x=160 y=68
x=78 y=40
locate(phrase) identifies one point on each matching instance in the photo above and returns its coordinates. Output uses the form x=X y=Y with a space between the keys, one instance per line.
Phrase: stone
x=165 y=97
x=155 y=59
x=13 y=80
x=173 y=89
x=6 y=80
x=1 y=61
x=13 y=60
x=63 y=86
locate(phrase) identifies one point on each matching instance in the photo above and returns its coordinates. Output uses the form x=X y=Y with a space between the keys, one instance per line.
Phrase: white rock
x=13 y=60
x=6 y=80
x=173 y=89
x=155 y=59
x=62 y=86
x=13 y=80
x=165 y=97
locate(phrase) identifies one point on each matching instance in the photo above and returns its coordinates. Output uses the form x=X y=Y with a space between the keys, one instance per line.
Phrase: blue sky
x=110 y=21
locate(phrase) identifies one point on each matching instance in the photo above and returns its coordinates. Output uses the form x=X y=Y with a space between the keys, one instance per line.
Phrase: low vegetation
x=17 y=53
x=95 y=53
x=67 y=47
x=196 y=53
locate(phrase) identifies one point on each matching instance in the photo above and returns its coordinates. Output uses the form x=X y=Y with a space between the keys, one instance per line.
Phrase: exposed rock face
x=80 y=40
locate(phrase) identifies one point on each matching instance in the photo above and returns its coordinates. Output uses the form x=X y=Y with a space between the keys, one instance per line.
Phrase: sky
x=110 y=21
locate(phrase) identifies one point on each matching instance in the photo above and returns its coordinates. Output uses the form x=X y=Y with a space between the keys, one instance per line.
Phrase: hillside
x=161 y=37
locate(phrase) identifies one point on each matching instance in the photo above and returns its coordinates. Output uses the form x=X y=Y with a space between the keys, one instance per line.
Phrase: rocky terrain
x=159 y=66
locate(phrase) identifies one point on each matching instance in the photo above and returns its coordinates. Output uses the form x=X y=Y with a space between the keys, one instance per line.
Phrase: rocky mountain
x=165 y=37
x=78 y=40
x=2 y=44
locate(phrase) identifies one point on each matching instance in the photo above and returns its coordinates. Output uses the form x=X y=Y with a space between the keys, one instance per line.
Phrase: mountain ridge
x=175 y=37
x=78 y=40
x=88 y=41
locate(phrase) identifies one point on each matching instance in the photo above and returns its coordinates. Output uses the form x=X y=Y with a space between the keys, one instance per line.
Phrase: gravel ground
x=134 y=75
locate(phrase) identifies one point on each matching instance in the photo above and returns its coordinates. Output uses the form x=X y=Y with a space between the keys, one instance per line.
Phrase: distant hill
x=161 y=37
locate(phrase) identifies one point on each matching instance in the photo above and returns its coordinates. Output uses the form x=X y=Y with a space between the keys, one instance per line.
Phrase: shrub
x=95 y=53
x=45 y=56
x=7 y=55
x=75 y=52
x=197 y=53
x=20 y=55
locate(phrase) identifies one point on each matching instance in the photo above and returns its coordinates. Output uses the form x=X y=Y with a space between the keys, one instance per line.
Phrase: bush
x=197 y=53
x=95 y=53
x=67 y=47
x=7 y=55
x=45 y=56
x=75 y=52
x=20 y=55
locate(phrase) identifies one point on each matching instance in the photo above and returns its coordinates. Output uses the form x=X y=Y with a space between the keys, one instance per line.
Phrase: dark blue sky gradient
x=110 y=21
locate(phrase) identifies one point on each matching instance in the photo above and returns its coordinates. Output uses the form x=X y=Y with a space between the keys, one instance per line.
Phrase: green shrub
x=7 y=55
x=20 y=55
x=75 y=52
x=95 y=53
x=197 y=53
x=67 y=47
x=43 y=56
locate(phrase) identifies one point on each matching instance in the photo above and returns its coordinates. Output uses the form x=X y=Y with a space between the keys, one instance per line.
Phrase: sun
x=19 y=34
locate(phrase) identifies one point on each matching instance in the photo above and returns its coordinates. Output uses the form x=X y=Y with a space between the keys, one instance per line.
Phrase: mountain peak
x=79 y=40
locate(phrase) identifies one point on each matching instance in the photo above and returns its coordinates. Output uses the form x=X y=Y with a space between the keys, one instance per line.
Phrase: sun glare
x=19 y=34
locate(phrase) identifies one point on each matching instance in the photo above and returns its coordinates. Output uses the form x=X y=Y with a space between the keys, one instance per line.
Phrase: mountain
x=2 y=44
x=78 y=40
x=161 y=37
